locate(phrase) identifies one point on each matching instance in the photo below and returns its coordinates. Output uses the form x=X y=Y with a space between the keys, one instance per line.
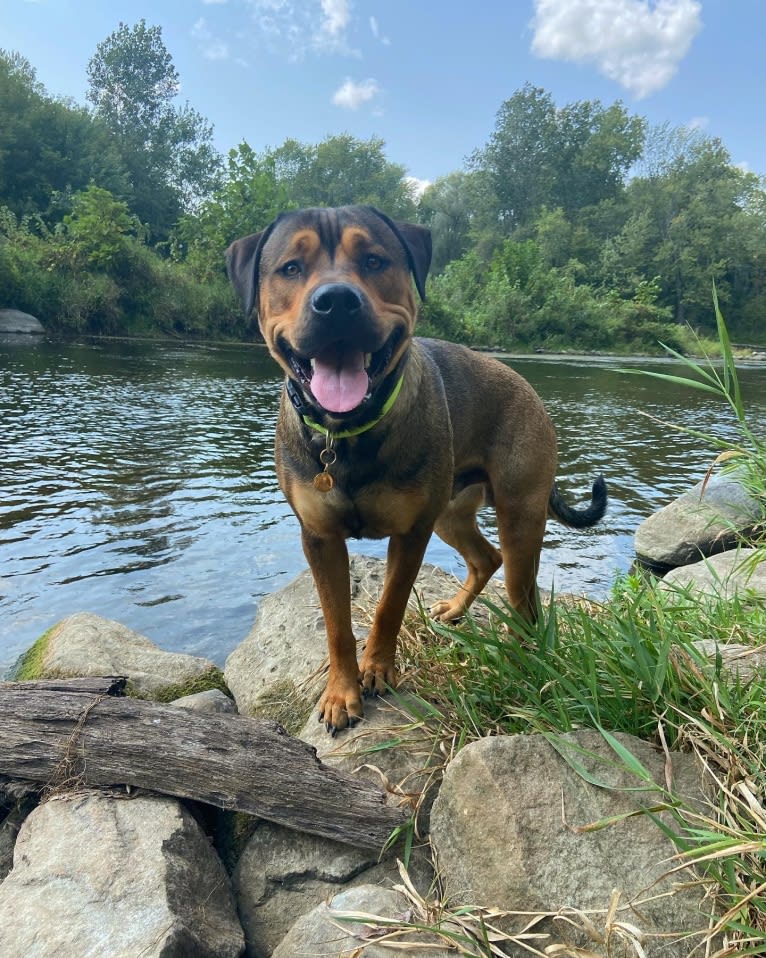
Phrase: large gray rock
x=279 y=671
x=96 y=876
x=14 y=321
x=322 y=932
x=392 y=746
x=87 y=644
x=697 y=524
x=282 y=875
x=724 y=575
x=507 y=830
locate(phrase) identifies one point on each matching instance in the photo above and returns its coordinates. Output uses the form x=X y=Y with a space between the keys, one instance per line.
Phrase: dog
x=381 y=434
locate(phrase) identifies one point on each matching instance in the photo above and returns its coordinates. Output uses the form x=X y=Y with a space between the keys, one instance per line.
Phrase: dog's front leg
x=341 y=703
x=405 y=555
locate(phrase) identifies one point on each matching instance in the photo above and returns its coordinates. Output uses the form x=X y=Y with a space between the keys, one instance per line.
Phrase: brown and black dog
x=381 y=434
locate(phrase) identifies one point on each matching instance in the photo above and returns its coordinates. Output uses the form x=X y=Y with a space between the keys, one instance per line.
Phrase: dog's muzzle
x=340 y=357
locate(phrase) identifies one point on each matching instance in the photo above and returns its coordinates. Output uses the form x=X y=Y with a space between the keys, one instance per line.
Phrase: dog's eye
x=373 y=263
x=291 y=269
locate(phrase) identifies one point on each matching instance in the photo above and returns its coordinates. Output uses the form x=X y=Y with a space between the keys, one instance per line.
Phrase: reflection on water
x=137 y=481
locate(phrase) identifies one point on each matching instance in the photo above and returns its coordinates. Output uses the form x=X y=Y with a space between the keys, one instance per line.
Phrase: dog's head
x=334 y=297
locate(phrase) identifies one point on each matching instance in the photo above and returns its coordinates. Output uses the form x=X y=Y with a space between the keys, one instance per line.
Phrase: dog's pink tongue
x=339 y=382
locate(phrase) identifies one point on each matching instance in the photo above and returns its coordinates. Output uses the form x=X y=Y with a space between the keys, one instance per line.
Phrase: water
x=137 y=482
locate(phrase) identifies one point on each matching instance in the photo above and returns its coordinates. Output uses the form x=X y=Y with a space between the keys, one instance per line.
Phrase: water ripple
x=137 y=481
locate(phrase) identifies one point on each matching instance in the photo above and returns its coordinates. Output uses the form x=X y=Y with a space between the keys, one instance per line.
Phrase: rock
x=212 y=700
x=320 y=932
x=278 y=672
x=391 y=746
x=504 y=829
x=9 y=829
x=697 y=524
x=96 y=876
x=724 y=575
x=740 y=661
x=282 y=875
x=14 y=321
x=87 y=644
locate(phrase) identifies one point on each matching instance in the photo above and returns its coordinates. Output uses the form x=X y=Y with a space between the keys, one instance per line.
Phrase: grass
x=633 y=664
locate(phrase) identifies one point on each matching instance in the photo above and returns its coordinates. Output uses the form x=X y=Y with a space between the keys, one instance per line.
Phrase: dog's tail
x=579 y=518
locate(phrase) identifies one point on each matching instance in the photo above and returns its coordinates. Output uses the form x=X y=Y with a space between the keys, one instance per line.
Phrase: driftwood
x=83 y=732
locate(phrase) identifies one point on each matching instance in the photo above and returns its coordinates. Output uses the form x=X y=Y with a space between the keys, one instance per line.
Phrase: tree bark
x=80 y=732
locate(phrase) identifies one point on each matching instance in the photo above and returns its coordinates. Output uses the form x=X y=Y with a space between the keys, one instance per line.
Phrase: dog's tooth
x=367 y=360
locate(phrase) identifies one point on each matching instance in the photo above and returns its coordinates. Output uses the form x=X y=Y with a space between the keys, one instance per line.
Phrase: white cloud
x=299 y=26
x=698 y=123
x=337 y=14
x=351 y=95
x=212 y=47
x=375 y=30
x=418 y=186
x=636 y=43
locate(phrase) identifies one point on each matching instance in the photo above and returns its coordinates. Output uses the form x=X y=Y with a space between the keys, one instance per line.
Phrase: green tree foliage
x=541 y=156
x=450 y=207
x=167 y=149
x=257 y=186
x=48 y=148
x=575 y=226
x=342 y=170
x=693 y=220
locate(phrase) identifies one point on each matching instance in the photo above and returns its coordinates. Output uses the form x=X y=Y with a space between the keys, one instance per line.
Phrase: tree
x=342 y=170
x=449 y=207
x=693 y=220
x=48 y=148
x=257 y=186
x=540 y=156
x=168 y=150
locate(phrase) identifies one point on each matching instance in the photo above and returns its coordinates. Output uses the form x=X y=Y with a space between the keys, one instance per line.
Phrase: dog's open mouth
x=341 y=376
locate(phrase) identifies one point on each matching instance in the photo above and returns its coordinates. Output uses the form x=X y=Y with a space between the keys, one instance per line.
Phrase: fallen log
x=84 y=732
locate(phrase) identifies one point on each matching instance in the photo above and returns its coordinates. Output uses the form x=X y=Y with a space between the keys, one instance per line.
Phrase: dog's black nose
x=334 y=299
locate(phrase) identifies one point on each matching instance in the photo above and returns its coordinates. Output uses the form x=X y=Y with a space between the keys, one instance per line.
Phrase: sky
x=426 y=76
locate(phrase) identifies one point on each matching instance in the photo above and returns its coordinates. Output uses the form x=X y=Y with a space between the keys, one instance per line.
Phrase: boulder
x=14 y=321
x=724 y=575
x=212 y=701
x=509 y=830
x=279 y=671
x=96 y=876
x=697 y=524
x=87 y=644
x=323 y=932
x=283 y=875
x=391 y=746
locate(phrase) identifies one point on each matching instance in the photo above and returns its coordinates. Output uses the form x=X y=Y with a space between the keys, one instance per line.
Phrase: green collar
x=358 y=430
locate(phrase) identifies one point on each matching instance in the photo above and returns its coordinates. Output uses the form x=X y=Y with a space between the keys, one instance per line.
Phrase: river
x=137 y=482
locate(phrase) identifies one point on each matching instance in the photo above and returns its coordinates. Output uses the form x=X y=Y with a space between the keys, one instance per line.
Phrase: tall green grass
x=636 y=664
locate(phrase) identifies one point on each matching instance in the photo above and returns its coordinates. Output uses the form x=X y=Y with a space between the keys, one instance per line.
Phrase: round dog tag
x=323 y=482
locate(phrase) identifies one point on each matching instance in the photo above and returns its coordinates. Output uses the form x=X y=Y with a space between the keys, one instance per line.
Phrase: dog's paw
x=340 y=707
x=449 y=610
x=376 y=675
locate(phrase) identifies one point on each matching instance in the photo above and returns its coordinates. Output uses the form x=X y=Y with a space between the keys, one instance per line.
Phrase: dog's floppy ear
x=243 y=260
x=416 y=241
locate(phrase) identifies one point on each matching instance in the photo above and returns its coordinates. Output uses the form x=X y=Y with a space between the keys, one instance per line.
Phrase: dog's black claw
x=352 y=721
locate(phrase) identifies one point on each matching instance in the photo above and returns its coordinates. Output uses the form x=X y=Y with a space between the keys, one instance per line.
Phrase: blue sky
x=426 y=75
